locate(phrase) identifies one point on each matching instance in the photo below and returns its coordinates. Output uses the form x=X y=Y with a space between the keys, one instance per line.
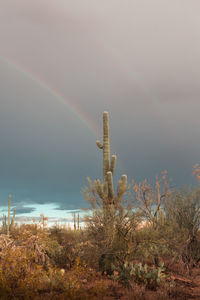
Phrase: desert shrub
x=55 y=253
x=111 y=238
x=20 y=232
x=24 y=264
x=56 y=233
x=182 y=208
x=150 y=240
x=172 y=222
x=149 y=201
x=79 y=282
x=20 y=276
x=67 y=245
x=110 y=227
x=27 y=272
x=182 y=211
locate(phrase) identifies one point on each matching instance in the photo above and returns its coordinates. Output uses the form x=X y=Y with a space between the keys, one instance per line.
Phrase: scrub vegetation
x=139 y=242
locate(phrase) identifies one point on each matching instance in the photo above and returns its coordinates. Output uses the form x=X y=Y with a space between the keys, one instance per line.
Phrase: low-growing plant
x=127 y=274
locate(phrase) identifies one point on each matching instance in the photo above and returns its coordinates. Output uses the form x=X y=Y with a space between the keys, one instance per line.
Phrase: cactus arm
x=113 y=163
x=122 y=186
x=124 y=181
x=99 y=144
x=110 y=187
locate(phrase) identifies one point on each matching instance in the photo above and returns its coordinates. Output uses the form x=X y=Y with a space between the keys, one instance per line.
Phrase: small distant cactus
x=76 y=221
x=7 y=224
x=42 y=221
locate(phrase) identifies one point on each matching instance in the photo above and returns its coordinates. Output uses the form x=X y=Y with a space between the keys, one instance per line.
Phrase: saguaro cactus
x=7 y=226
x=74 y=215
x=76 y=221
x=4 y=223
x=106 y=190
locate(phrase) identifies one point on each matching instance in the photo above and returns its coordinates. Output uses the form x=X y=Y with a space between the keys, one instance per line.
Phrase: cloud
x=24 y=210
x=136 y=59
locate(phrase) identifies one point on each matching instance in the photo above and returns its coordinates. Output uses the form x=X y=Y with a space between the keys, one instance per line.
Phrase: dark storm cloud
x=137 y=59
x=24 y=210
x=20 y=209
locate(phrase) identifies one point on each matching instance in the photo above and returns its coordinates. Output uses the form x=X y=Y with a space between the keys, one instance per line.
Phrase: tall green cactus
x=106 y=190
x=7 y=226
x=107 y=166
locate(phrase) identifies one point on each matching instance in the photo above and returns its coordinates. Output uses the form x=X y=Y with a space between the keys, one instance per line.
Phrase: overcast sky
x=62 y=63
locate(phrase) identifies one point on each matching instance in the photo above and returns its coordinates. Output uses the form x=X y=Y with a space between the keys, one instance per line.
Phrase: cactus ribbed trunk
x=106 y=145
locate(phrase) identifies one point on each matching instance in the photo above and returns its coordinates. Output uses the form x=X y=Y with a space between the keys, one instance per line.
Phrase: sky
x=64 y=62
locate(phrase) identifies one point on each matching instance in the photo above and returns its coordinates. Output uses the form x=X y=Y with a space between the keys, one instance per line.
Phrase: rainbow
x=69 y=104
x=75 y=109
